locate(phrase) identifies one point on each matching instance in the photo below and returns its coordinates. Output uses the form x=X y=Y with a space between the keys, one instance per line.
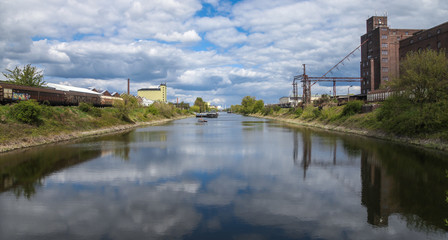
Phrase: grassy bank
x=39 y=124
x=344 y=119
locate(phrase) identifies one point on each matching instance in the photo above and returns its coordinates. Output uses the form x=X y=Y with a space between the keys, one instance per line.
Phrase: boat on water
x=201 y=120
x=207 y=115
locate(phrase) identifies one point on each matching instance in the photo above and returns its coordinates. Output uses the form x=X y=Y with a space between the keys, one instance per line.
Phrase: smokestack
x=129 y=92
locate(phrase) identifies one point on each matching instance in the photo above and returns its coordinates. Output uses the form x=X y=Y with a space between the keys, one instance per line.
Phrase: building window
x=438 y=31
x=384 y=52
x=383 y=36
x=398 y=38
x=385 y=60
x=428 y=46
x=385 y=78
x=384 y=45
x=406 y=33
x=439 y=44
x=419 y=37
x=429 y=35
x=394 y=33
x=385 y=69
x=412 y=41
x=383 y=29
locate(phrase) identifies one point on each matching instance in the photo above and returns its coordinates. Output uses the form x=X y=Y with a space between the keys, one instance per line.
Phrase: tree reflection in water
x=396 y=179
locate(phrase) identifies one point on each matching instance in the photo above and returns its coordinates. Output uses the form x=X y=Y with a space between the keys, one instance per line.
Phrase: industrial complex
x=382 y=49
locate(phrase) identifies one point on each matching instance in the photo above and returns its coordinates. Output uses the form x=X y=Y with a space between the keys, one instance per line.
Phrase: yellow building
x=154 y=94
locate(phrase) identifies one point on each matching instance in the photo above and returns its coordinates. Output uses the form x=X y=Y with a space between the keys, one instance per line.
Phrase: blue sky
x=218 y=50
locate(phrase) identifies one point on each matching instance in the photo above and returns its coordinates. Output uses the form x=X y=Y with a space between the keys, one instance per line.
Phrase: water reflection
x=396 y=179
x=233 y=178
x=22 y=174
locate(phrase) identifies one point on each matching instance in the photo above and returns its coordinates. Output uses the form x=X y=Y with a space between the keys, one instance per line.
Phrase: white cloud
x=189 y=36
x=107 y=40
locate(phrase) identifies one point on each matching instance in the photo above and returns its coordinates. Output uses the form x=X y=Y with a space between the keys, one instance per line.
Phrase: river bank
x=28 y=124
x=27 y=142
x=435 y=144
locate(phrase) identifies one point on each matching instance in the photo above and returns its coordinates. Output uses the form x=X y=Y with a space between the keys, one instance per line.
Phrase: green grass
x=63 y=119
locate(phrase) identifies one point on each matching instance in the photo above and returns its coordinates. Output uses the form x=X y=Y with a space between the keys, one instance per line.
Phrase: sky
x=220 y=50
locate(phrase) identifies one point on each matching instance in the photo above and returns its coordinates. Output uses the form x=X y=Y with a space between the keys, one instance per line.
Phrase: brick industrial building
x=380 y=54
x=385 y=47
x=435 y=38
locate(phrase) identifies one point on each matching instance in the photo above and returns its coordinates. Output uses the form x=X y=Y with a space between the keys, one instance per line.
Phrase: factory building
x=154 y=94
x=435 y=38
x=380 y=56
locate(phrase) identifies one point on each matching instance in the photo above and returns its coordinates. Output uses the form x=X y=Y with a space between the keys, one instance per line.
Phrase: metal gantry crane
x=306 y=80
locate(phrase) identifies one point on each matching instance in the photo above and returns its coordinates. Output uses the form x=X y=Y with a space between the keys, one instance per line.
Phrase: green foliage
x=130 y=101
x=90 y=109
x=195 y=109
x=258 y=106
x=153 y=110
x=298 y=112
x=400 y=115
x=26 y=112
x=201 y=104
x=163 y=109
x=330 y=113
x=250 y=105
x=247 y=105
x=352 y=107
x=29 y=76
x=123 y=108
x=421 y=107
x=310 y=113
x=424 y=76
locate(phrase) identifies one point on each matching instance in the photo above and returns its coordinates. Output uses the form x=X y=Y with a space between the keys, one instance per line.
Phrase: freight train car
x=74 y=98
x=54 y=94
x=108 y=101
x=13 y=93
x=76 y=95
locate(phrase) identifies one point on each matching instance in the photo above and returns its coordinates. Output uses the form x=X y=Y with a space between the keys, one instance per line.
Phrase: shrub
x=401 y=116
x=298 y=112
x=153 y=110
x=26 y=112
x=352 y=107
x=330 y=113
x=166 y=110
x=267 y=110
x=310 y=113
x=90 y=109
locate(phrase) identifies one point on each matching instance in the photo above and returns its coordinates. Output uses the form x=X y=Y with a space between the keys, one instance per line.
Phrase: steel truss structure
x=306 y=80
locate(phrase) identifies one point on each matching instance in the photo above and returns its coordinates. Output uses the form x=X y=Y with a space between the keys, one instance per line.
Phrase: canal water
x=232 y=178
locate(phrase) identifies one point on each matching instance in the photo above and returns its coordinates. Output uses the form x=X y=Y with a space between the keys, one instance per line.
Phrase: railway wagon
x=73 y=98
x=108 y=101
x=13 y=93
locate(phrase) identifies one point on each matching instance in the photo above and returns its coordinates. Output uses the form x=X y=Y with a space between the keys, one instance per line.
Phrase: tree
x=424 y=76
x=201 y=104
x=28 y=76
x=247 y=105
x=421 y=103
x=258 y=106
